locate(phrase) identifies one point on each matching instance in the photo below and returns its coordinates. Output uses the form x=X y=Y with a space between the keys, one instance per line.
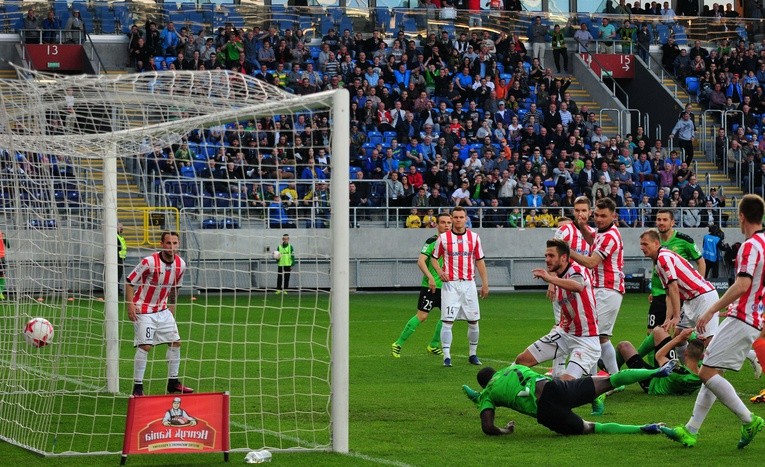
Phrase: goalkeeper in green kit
x=430 y=293
x=550 y=400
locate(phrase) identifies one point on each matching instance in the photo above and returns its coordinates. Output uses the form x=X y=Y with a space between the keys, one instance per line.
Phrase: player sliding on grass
x=430 y=292
x=550 y=400
x=729 y=346
x=684 y=379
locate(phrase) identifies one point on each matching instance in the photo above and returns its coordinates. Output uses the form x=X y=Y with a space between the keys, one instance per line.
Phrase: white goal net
x=232 y=164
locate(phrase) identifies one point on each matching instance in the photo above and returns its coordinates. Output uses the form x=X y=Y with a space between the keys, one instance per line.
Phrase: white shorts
x=459 y=301
x=695 y=307
x=728 y=348
x=607 y=304
x=155 y=328
x=582 y=351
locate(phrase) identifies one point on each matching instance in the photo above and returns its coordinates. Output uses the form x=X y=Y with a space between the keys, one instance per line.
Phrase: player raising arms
x=550 y=400
x=681 y=282
x=607 y=261
x=150 y=293
x=463 y=254
x=743 y=325
x=681 y=244
x=430 y=292
x=576 y=334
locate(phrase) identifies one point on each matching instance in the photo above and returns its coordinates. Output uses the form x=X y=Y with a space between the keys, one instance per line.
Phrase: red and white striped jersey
x=750 y=262
x=609 y=273
x=571 y=234
x=672 y=267
x=460 y=252
x=154 y=280
x=577 y=309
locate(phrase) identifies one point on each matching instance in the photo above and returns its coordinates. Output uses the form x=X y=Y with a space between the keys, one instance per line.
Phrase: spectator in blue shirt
x=169 y=39
x=628 y=215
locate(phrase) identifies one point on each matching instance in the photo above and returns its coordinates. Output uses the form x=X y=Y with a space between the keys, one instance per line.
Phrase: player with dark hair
x=576 y=334
x=607 y=262
x=681 y=244
x=550 y=400
x=463 y=254
x=150 y=292
x=685 y=377
x=569 y=232
x=430 y=292
x=728 y=348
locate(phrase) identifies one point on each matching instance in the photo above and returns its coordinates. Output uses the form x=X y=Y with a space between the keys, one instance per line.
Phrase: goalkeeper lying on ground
x=550 y=400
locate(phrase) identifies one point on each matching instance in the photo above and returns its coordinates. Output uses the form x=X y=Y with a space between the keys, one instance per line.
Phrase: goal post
x=81 y=153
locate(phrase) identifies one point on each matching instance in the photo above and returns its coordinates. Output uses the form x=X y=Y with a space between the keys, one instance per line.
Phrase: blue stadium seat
x=188 y=172
x=228 y=223
x=692 y=86
x=389 y=136
x=209 y=223
x=650 y=188
x=375 y=137
x=222 y=200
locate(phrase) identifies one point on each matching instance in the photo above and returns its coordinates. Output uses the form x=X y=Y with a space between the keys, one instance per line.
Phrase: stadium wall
x=380 y=258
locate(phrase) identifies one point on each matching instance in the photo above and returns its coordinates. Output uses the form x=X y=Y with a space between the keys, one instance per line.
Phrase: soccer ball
x=38 y=332
x=276 y=255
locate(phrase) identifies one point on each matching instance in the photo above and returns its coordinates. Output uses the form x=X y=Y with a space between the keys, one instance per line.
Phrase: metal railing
x=239 y=208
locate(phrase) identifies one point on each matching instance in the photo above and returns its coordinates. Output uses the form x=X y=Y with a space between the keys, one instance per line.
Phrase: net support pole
x=340 y=269
x=111 y=291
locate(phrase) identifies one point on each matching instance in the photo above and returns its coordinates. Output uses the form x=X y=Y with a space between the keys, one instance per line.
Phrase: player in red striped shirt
x=150 y=293
x=729 y=347
x=682 y=282
x=607 y=262
x=576 y=336
x=463 y=254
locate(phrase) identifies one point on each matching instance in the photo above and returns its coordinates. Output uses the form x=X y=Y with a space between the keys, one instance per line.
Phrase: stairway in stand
x=704 y=157
x=130 y=200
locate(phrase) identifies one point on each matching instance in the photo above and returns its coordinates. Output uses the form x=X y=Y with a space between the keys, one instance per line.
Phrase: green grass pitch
x=411 y=411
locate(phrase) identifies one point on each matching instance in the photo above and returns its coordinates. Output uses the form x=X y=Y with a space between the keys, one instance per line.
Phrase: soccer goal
x=83 y=156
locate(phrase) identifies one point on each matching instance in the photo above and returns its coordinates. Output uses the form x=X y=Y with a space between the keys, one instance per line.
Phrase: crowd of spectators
x=471 y=119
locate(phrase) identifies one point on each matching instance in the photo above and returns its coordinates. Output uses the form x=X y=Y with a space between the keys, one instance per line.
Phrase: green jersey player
x=430 y=292
x=681 y=244
x=550 y=401
x=684 y=379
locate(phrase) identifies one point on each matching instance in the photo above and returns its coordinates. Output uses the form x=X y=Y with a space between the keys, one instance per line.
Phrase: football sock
x=616 y=428
x=759 y=349
x=704 y=401
x=2 y=284
x=608 y=355
x=726 y=393
x=630 y=376
x=173 y=361
x=436 y=340
x=472 y=335
x=646 y=346
x=139 y=365
x=410 y=327
x=446 y=339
